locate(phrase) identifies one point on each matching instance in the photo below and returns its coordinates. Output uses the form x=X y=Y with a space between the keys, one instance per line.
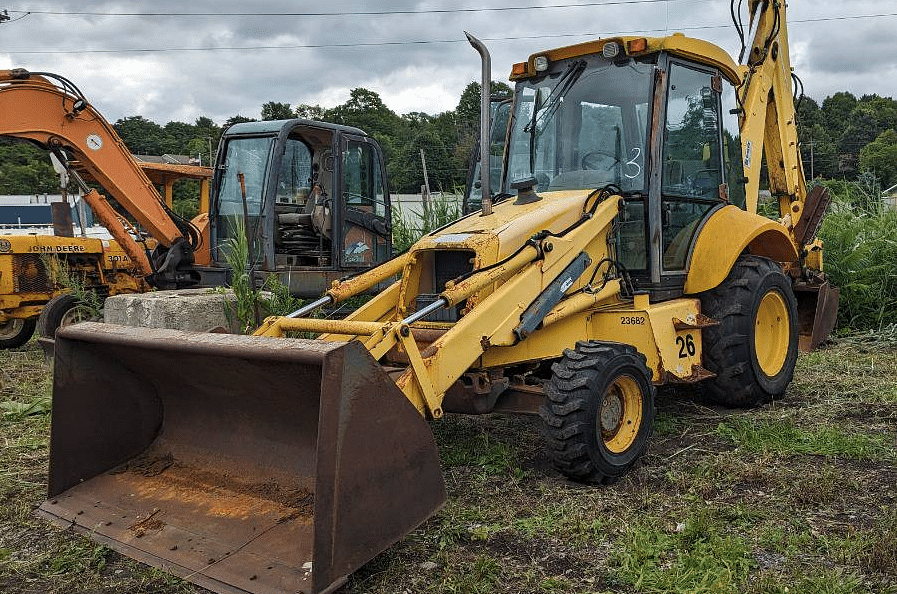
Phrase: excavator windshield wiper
x=542 y=114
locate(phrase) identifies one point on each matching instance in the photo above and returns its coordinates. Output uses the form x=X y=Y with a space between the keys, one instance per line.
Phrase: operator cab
x=308 y=196
x=656 y=129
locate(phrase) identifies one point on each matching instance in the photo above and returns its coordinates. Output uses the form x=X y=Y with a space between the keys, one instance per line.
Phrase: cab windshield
x=583 y=125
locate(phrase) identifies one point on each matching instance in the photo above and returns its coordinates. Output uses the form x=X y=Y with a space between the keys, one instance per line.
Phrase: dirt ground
x=796 y=497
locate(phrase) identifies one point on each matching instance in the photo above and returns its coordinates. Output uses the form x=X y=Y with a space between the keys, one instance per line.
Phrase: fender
x=726 y=234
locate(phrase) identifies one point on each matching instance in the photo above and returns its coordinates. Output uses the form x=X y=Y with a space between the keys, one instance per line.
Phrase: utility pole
x=425 y=190
x=812 y=144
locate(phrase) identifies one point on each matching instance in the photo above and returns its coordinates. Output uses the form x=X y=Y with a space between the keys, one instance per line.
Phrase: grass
x=408 y=227
x=785 y=436
x=796 y=497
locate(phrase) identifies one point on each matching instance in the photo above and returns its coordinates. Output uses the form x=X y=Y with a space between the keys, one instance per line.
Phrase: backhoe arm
x=57 y=117
x=768 y=117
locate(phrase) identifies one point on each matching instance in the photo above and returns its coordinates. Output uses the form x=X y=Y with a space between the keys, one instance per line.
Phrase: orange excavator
x=58 y=118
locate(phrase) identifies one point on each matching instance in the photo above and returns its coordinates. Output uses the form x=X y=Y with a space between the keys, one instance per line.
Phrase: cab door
x=692 y=180
x=363 y=209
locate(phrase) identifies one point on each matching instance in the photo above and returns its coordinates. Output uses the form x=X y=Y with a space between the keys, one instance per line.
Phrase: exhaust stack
x=485 y=124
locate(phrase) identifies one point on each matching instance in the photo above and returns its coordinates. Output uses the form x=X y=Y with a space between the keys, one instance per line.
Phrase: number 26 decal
x=686 y=346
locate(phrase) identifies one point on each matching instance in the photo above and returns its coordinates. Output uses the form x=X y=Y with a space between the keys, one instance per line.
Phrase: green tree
x=880 y=157
x=870 y=117
x=311 y=112
x=142 y=136
x=237 y=119
x=210 y=133
x=175 y=137
x=835 y=111
x=273 y=110
x=468 y=110
x=366 y=110
x=25 y=169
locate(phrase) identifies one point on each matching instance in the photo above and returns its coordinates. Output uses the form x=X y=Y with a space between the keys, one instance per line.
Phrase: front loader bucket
x=243 y=464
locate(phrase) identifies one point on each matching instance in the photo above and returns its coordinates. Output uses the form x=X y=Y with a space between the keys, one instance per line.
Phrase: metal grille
x=450 y=265
x=30 y=274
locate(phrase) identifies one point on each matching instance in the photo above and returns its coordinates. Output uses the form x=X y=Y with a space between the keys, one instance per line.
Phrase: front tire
x=61 y=310
x=754 y=349
x=15 y=332
x=598 y=411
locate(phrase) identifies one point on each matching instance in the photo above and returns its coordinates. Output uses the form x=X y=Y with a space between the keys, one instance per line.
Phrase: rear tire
x=598 y=411
x=61 y=310
x=16 y=332
x=754 y=349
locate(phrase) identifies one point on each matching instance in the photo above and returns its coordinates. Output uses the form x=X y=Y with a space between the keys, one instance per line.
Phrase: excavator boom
x=58 y=118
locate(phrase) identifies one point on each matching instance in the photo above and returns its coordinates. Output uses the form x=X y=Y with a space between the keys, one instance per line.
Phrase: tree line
x=446 y=138
x=844 y=138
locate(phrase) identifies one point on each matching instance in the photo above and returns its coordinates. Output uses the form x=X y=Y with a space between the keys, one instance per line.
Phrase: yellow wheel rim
x=772 y=333
x=620 y=415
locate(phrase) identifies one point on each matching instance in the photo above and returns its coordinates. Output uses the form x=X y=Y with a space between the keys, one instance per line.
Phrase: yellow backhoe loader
x=629 y=257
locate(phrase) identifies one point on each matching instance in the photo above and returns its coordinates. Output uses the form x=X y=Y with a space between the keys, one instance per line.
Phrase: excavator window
x=294 y=179
x=732 y=149
x=364 y=197
x=239 y=212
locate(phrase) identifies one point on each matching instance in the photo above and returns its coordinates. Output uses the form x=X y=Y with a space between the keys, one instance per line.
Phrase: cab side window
x=732 y=149
x=692 y=164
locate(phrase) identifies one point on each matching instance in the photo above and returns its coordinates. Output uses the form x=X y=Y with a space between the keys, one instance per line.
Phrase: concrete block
x=187 y=309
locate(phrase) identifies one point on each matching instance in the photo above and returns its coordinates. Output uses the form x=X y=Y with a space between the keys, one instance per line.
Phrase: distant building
x=889 y=197
x=25 y=211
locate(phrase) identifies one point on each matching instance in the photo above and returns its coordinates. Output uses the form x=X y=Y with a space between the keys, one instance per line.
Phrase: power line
x=343 y=13
x=414 y=42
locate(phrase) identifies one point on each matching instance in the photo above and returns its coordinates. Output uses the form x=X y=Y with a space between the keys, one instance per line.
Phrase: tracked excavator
x=630 y=256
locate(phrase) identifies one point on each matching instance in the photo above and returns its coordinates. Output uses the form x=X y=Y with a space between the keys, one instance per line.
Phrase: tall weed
x=860 y=237
x=75 y=282
x=253 y=303
x=407 y=228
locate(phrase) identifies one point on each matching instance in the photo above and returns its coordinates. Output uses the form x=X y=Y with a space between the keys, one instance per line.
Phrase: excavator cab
x=650 y=127
x=311 y=198
x=663 y=132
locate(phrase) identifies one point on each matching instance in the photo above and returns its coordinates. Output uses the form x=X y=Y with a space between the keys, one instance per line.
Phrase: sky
x=158 y=61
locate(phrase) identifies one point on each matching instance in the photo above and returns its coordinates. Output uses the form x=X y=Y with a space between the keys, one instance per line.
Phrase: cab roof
x=676 y=44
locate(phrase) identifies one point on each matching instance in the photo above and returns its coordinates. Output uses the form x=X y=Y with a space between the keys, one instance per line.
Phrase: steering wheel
x=704 y=181
x=599 y=160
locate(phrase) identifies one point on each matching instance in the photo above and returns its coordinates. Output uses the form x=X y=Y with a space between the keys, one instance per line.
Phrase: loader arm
x=57 y=117
x=496 y=320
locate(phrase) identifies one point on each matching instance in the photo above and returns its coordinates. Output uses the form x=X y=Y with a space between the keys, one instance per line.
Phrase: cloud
x=427 y=77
